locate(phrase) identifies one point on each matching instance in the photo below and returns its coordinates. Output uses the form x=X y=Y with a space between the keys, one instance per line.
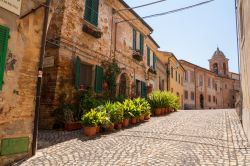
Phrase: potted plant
x=155 y=101
x=115 y=113
x=90 y=121
x=128 y=107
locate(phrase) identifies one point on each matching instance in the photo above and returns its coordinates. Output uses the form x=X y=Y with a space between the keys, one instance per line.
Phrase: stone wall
x=67 y=40
x=17 y=98
x=223 y=89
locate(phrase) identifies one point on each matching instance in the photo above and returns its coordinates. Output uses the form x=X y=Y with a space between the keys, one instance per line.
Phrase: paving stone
x=191 y=137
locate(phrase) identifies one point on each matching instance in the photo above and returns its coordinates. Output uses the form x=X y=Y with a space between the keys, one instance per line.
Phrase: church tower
x=219 y=63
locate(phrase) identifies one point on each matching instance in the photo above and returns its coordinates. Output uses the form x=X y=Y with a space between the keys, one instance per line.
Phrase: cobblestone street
x=191 y=137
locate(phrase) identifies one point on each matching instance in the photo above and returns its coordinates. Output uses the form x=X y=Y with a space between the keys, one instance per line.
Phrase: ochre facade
x=18 y=93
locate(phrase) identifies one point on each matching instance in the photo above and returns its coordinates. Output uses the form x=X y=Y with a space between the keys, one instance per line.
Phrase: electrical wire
x=169 y=12
x=140 y=6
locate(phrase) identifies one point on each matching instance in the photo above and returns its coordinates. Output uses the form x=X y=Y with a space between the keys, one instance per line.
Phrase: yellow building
x=175 y=74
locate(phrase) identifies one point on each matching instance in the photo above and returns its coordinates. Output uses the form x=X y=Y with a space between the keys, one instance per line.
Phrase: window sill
x=91 y=29
x=151 y=70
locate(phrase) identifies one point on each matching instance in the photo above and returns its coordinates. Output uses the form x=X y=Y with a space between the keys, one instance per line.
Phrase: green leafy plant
x=91 y=118
x=163 y=99
x=128 y=107
x=115 y=112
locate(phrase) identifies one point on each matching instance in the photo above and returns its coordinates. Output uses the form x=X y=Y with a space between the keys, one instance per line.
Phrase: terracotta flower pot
x=138 y=119
x=111 y=127
x=157 y=111
x=125 y=122
x=98 y=129
x=147 y=117
x=133 y=120
x=118 y=126
x=142 y=117
x=89 y=131
x=72 y=126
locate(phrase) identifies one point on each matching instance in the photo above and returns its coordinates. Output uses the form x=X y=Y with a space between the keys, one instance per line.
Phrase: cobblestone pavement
x=193 y=137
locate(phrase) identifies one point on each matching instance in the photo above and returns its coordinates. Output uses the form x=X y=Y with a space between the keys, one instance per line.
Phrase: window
x=209 y=98
x=4 y=35
x=176 y=76
x=138 y=88
x=179 y=78
x=91 y=11
x=201 y=80
x=172 y=72
x=151 y=59
x=209 y=82
x=214 y=99
x=138 y=41
x=186 y=76
x=84 y=75
x=192 y=95
x=186 y=95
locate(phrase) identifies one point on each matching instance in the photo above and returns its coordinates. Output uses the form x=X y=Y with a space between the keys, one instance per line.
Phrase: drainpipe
x=39 y=77
x=195 y=102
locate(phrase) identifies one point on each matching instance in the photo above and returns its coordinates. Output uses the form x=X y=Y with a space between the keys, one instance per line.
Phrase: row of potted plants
x=163 y=102
x=115 y=115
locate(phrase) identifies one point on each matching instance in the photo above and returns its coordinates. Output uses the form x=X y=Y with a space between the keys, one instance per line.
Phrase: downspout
x=39 y=77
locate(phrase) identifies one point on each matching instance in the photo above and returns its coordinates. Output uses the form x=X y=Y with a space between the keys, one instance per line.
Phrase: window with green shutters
x=4 y=36
x=91 y=11
x=154 y=62
x=98 y=79
x=143 y=90
x=148 y=56
x=142 y=43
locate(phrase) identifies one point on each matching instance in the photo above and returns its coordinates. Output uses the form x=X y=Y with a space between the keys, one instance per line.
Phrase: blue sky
x=194 y=34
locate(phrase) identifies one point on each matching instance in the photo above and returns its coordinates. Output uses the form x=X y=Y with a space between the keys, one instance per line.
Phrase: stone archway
x=123 y=85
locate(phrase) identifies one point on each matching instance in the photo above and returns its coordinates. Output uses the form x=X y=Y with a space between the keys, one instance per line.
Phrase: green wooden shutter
x=98 y=79
x=148 y=56
x=143 y=90
x=4 y=35
x=142 y=43
x=77 y=73
x=134 y=39
x=91 y=11
x=154 y=62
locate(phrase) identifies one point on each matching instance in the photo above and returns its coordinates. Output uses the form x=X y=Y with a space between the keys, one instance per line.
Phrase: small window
x=172 y=72
x=186 y=76
x=176 y=76
x=192 y=95
x=214 y=99
x=186 y=95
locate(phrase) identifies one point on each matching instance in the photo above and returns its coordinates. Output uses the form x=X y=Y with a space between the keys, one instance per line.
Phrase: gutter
x=39 y=77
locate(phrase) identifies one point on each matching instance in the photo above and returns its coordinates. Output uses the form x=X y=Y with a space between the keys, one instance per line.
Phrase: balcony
x=92 y=30
x=152 y=70
x=137 y=54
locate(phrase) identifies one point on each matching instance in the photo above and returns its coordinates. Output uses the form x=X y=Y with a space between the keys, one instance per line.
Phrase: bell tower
x=219 y=63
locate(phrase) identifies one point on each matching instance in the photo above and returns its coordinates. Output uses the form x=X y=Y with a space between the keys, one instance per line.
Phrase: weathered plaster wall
x=17 y=99
x=244 y=38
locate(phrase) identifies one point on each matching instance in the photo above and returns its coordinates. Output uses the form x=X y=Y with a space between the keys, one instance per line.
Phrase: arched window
x=215 y=68
x=123 y=85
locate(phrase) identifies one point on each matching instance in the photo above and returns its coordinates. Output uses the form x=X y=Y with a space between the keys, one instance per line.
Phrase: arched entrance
x=202 y=101
x=123 y=85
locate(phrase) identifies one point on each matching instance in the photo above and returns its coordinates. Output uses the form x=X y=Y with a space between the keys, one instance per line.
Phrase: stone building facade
x=216 y=88
x=20 y=42
x=175 y=74
x=83 y=35
x=243 y=11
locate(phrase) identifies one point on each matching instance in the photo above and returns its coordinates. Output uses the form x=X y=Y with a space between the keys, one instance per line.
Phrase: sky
x=194 y=34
